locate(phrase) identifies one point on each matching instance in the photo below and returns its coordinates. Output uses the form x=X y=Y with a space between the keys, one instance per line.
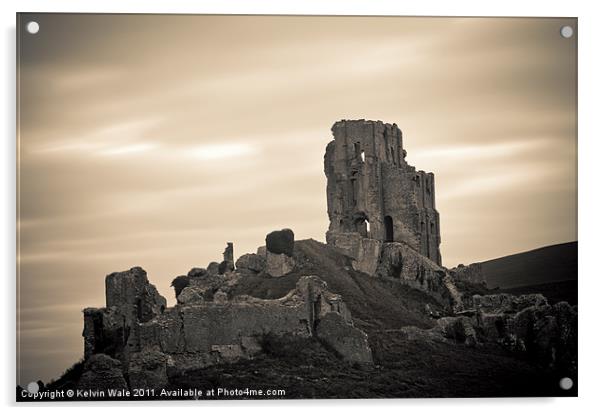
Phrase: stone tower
x=372 y=191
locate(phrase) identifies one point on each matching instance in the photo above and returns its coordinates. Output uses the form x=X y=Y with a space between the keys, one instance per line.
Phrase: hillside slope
x=545 y=265
x=374 y=303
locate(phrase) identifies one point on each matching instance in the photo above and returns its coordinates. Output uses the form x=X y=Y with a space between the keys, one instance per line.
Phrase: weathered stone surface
x=197 y=273
x=472 y=273
x=131 y=300
x=364 y=251
x=192 y=294
x=148 y=369
x=101 y=372
x=527 y=324
x=373 y=191
x=131 y=288
x=203 y=332
x=224 y=267
x=506 y=303
x=459 y=329
x=278 y=265
x=350 y=342
x=213 y=268
x=204 y=289
x=227 y=265
x=280 y=242
x=400 y=261
x=251 y=262
x=179 y=283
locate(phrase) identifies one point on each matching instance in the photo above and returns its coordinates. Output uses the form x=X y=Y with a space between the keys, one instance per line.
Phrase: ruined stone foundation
x=146 y=340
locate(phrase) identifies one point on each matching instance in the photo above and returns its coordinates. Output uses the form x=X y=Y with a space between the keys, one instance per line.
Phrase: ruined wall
x=472 y=273
x=150 y=340
x=398 y=260
x=373 y=191
x=130 y=299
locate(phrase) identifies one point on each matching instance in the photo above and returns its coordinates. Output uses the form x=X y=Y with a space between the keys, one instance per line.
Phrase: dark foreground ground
x=304 y=369
x=294 y=368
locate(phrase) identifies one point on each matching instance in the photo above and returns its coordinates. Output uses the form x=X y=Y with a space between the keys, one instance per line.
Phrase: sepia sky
x=153 y=140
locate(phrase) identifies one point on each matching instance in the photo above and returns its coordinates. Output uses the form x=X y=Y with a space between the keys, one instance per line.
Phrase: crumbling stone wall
x=373 y=191
x=399 y=261
x=130 y=300
x=472 y=273
x=528 y=325
x=206 y=327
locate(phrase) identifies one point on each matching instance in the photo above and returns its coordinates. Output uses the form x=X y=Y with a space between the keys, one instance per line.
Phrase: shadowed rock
x=101 y=372
x=148 y=370
x=251 y=262
x=197 y=273
x=280 y=242
x=213 y=268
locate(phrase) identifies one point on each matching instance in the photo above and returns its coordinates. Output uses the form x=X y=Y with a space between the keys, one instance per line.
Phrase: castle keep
x=374 y=193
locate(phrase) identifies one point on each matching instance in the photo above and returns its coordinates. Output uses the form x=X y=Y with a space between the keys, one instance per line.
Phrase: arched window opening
x=363 y=156
x=362 y=225
x=388 y=229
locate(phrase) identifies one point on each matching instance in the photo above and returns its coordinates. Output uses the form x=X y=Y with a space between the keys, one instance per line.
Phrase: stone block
x=280 y=242
x=350 y=342
x=251 y=262
x=278 y=265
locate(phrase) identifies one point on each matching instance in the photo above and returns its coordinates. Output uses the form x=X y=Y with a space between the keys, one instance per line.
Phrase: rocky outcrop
x=251 y=263
x=456 y=329
x=280 y=242
x=528 y=325
x=102 y=373
x=350 y=342
x=459 y=329
x=401 y=262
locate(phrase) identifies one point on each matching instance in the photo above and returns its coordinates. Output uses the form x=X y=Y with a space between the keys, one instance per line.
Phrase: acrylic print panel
x=280 y=207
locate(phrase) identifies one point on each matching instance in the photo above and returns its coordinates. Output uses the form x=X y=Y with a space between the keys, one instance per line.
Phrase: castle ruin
x=373 y=193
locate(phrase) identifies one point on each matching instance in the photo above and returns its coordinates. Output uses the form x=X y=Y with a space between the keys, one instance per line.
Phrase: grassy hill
x=545 y=265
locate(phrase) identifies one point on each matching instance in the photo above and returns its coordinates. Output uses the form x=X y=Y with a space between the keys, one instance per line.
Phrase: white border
x=590 y=68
